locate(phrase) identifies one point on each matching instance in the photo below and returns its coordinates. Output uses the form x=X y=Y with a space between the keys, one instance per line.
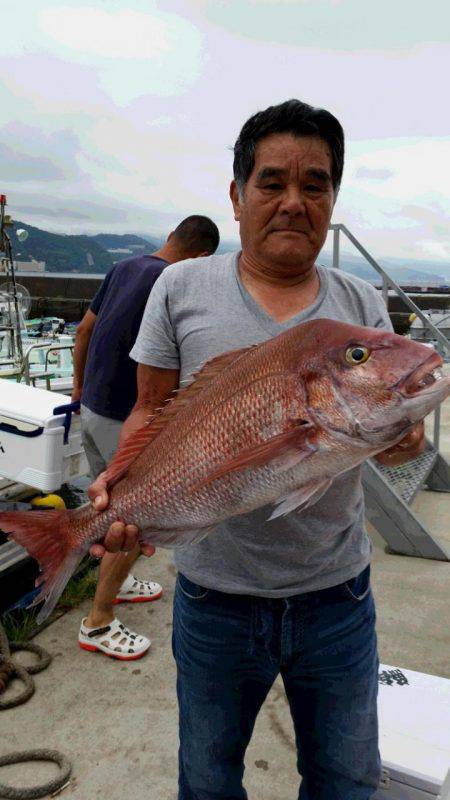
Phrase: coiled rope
x=9 y=669
x=29 y=793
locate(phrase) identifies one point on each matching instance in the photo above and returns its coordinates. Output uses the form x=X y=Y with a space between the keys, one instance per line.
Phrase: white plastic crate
x=38 y=447
x=414 y=712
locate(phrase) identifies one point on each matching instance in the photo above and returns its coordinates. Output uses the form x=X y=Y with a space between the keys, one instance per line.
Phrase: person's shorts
x=100 y=439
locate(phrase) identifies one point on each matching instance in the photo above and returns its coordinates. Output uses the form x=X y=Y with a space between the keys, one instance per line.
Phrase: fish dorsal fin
x=139 y=439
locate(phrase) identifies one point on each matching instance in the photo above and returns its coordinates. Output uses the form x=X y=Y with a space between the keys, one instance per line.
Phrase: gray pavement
x=118 y=722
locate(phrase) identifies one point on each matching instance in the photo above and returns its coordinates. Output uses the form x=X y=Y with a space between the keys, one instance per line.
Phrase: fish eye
x=357 y=355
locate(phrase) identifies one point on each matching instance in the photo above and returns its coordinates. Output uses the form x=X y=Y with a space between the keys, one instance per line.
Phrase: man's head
x=288 y=163
x=194 y=236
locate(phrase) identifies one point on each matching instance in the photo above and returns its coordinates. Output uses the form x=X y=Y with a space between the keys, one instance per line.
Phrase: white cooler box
x=39 y=447
x=414 y=711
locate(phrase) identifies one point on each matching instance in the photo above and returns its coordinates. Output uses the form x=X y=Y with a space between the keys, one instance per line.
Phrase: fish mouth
x=424 y=379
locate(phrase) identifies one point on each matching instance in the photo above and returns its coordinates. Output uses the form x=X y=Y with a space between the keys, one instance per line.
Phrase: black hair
x=197 y=233
x=297 y=118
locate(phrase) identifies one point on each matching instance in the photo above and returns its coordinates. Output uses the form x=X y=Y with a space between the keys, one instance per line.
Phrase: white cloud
x=402 y=213
x=153 y=96
x=121 y=34
x=416 y=167
x=436 y=250
x=373 y=173
x=349 y=25
x=134 y=52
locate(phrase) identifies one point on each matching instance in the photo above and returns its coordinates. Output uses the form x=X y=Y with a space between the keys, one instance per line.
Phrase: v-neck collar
x=261 y=315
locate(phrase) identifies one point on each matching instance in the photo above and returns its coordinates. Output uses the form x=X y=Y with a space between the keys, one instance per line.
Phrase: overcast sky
x=119 y=116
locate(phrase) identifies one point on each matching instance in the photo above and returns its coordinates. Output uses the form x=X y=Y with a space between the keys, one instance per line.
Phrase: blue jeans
x=230 y=648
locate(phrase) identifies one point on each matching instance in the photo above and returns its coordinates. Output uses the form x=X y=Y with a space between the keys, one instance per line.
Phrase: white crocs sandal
x=114 y=640
x=134 y=590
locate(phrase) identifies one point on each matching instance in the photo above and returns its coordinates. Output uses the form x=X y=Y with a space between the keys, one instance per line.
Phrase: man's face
x=287 y=204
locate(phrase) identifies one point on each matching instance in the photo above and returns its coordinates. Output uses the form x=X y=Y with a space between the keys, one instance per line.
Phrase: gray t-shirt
x=198 y=309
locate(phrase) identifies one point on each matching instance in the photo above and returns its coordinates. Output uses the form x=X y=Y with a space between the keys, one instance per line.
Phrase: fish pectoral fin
x=300 y=499
x=284 y=450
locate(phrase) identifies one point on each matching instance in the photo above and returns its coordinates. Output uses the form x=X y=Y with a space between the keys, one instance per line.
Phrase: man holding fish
x=294 y=595
x=304 y=381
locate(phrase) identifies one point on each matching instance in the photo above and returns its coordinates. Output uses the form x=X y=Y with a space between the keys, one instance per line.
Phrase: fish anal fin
x=139 y=439
x=284 y=450
x=175 y=538
x=300 y=499
x=128 y=452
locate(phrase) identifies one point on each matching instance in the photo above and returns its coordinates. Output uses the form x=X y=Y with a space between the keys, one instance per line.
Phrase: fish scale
x=268 y=424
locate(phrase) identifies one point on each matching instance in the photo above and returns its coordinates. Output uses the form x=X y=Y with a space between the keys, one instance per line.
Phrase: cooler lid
x=414 y=713
x=21 y=402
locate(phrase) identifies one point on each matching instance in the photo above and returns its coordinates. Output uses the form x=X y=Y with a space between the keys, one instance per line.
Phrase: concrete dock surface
x=118 y=721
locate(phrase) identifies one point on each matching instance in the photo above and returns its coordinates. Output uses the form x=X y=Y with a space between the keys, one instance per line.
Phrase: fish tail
x=46 y=537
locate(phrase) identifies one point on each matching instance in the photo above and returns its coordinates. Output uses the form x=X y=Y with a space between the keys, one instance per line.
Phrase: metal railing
x=54 y=348
x=388 y=282
x=27 y=374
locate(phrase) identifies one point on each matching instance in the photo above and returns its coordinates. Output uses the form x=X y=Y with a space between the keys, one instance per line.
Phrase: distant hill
x=402 y=271
x=91 y=254
x=114 y=241
x=87 y=254
x=61 y=253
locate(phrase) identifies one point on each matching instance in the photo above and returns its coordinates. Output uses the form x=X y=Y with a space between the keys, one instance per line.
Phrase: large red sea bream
x=269 y=424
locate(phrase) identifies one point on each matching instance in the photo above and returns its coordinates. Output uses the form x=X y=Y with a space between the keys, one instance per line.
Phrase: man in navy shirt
x=105 y=382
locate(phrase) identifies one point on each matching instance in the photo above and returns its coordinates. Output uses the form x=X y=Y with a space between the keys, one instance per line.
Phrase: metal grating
x=407 y=479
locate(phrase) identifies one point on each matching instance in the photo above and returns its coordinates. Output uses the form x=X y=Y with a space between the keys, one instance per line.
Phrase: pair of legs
x=100 y=439
x=230 y=648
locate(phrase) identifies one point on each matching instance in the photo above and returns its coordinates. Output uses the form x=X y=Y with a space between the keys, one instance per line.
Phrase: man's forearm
x=155 y=387
x=139 y=415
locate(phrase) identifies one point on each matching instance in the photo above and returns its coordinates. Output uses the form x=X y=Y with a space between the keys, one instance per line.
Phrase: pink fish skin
x=269 y=424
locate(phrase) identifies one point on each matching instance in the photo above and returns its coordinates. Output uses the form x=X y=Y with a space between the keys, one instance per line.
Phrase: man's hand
x=120 y=536
x=410 y=447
